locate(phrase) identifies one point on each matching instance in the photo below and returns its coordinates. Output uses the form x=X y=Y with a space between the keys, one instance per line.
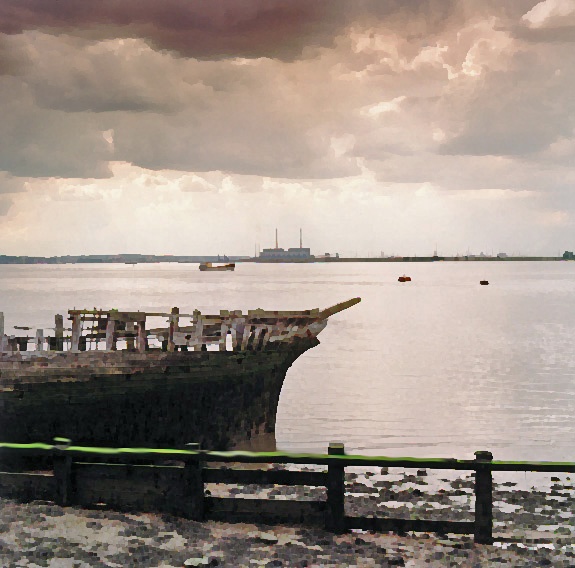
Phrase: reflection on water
x=439 y=366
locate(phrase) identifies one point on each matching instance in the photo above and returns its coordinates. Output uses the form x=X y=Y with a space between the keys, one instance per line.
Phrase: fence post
x=62 y=472
x=483 y=533
x=335 y=514
x=193 y=485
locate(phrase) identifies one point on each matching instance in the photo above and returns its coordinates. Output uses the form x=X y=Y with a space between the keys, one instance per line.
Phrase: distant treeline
x=108 y=258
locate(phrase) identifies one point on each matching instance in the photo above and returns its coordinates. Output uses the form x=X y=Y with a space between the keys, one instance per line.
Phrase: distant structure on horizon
x=278 y=253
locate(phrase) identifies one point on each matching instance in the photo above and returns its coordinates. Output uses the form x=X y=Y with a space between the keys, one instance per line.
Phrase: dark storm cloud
x=42 y=143
x=269 y=117
x=217 y=29
x=204 y=29
x=12 y=62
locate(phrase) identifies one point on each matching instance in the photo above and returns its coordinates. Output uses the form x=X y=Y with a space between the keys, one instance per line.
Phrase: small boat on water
x=484 y=282
x=404 y=278
x=208 y=266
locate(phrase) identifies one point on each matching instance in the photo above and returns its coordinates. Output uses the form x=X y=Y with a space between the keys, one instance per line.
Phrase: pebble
x=43 y=534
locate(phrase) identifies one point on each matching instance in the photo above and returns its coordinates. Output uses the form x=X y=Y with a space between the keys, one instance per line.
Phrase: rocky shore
x=534 y=526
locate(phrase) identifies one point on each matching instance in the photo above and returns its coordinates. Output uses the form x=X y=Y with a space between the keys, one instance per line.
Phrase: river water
x=439 y=366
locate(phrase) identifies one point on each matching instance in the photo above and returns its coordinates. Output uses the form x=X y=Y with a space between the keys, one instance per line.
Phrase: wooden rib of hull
x=218 y=399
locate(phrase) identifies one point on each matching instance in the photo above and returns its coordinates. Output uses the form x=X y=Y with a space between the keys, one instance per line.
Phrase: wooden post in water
x=483 y=533
x=173 y=327
x=63 y=473
x=59 y=332
x=335 y=514
x=193 y=485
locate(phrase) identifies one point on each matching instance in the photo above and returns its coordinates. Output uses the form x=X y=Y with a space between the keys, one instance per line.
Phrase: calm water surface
x=440 y=366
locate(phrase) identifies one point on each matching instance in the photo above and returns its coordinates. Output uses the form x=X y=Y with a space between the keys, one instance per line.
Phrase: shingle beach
x=533 y=527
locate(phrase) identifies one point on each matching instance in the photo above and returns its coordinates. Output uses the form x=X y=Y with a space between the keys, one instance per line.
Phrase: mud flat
x=534 y=526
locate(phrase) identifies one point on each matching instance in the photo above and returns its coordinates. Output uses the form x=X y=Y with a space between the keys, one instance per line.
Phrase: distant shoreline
x=153 y=259
x=410 y=259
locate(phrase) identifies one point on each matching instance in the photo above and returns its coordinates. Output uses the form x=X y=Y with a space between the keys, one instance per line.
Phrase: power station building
x=278 y=253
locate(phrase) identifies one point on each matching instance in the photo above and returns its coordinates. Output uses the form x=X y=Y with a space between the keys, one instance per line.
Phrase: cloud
x=551 y=14
x=10 y=184
x=42 y=143
x=331 y=112
x=550 y=21
x=218 y=29
x=5 y=205
x=518 y=111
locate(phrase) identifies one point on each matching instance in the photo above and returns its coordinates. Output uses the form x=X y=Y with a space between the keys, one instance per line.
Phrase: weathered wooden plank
x=145 y=488
x=265 y=511
x=265 y=477
x=348 y=460
x=27 y=486
x=403 y=525
x=59 y=332
x=543 y=467
x=76 y=332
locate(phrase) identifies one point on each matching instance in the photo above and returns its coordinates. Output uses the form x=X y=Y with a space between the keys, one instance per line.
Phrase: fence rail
x=173 y=481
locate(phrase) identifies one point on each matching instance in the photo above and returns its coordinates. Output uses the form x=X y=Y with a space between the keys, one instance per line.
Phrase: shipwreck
x=211 y=379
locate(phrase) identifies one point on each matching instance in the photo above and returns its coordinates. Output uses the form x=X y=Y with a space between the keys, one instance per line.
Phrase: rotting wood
x=193 y=485
x=63 y=476
x=39 y=340
x=76 y=331
x=111 y=335
x=173 y=328
x=334 y=520
x=483 y=527
x=59 y=332
x=258 y=330
x=156 y=487
x=142 y=341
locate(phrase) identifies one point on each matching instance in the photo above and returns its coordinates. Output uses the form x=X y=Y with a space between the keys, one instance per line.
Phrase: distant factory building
x=278 y=253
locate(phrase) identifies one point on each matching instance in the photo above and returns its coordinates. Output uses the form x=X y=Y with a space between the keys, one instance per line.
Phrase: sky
x=376 y=126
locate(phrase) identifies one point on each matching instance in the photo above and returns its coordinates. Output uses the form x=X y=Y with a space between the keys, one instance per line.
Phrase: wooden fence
x=173 y=481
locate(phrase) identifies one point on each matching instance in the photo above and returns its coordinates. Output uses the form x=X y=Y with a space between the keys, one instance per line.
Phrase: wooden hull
x=155 y=399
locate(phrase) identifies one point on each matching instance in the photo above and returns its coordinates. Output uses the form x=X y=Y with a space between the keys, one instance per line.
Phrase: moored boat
x=404 y=278
x=213 y=379
x=210 y=266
